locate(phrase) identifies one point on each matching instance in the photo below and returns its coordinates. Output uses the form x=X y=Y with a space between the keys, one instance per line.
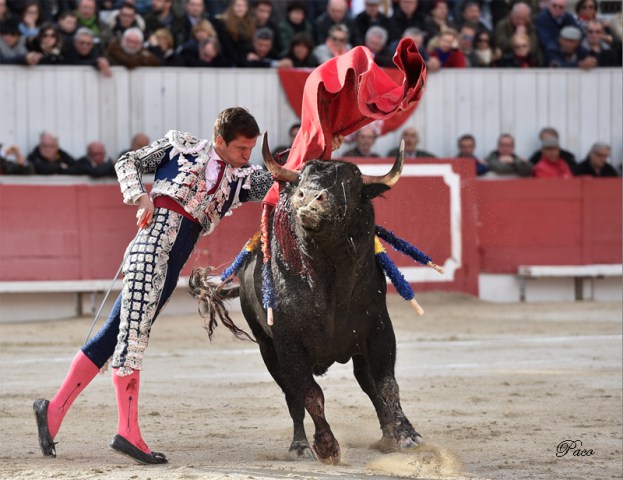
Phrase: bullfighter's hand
x=145 y=211
x=337 y=142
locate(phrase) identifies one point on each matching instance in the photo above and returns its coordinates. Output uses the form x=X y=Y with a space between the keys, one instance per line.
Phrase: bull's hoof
x=300 y=450
x=411 y=441
x=332 y=459
x=328 y=453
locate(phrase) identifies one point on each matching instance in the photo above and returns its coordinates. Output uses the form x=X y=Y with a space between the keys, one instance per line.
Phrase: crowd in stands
x=551 y=161
x=305 y=33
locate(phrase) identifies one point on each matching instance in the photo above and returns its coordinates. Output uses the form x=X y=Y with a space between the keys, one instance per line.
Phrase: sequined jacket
x=179 y=161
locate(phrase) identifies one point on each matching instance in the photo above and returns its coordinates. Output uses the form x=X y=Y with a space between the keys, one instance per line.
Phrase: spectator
x=486 y=51
x=126 y=17
x=336 y=44
x=128 y=51
x=407 y=14
x=467 y=148
x=547 y=132
x=262 y=17
x=376 y=41
x=12 y=162
x=261 y=47
x=281 y=152
x=67 y=26
x=571 y=54
x=597 y=47
x=235 y=29
x=519 y=20
x=295 y=22
x=49 y=44
x=161 y=15
x=438 y=21
x=13 y=46
x=585 y=11
x=95 y=163
x=201 y=31
x=548 y=25
x=445 y=54
x=616 y=27
x=83 y=51
x=87 y=17
x=465 y=41
x=551 y=164
x=372 y=17
x=48 y=158
x=139 y=140
x=5 y=14
x=30 y=20
x=504 y=160
x=596 y=163
x=335 y=14
x=206 y=54
x=521 y=55
x=365 y=138
x=412 y=140
x=417 y=36
x=194 y=14
x=471 y=15
x=300 y=53
x=162 y=45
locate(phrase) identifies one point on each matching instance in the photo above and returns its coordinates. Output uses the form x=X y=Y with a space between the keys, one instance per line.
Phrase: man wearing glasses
x=335 y=45
x=548 y=25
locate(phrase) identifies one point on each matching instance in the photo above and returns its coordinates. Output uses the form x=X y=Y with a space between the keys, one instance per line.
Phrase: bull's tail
x=211 y=298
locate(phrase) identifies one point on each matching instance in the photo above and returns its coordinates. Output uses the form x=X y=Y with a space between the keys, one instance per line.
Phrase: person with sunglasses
x=335 y=45
x=597 y=46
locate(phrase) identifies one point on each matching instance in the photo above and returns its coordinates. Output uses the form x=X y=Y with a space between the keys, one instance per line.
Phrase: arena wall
x=481 y=231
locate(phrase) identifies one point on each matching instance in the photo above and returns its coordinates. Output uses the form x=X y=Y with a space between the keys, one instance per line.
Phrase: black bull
x=330 y=299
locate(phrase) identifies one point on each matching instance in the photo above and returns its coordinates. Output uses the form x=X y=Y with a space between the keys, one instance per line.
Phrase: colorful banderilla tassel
x=249 y=247
x=397 y=278
x=406 y=248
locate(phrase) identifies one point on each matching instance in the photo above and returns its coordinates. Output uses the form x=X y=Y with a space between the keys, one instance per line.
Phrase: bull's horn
x=280 y=173
x=392 y=177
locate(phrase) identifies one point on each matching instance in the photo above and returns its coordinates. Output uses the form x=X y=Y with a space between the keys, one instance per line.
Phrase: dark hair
x=234 y=122
x=466 y=136
x=301 y=38
x=296 y=5
x=580 y=4
x=9 y=26
x=263 y=33
x=128 y=5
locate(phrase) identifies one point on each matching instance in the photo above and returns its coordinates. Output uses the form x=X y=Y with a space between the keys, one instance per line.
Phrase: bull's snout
x=310 y=205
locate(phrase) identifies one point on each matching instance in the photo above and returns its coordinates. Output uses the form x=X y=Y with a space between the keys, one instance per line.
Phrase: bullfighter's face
x=237 y=152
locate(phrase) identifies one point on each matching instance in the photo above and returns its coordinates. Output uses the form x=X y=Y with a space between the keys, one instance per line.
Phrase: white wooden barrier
x=80 y=105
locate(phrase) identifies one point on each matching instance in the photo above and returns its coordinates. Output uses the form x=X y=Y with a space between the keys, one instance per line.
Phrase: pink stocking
x=126 y=389
x=81 y=371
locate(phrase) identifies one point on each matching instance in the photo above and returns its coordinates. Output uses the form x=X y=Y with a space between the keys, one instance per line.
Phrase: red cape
x=347 y=92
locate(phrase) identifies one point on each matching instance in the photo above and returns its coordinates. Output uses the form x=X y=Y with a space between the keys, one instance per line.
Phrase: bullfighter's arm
x=132 y=165
x=256 y=185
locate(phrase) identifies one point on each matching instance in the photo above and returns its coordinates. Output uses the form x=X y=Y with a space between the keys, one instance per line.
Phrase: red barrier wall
x=70 y=232
x=548 y=222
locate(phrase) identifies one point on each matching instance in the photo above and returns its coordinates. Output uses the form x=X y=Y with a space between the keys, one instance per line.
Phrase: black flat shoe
x=122 y=446
x=40 y=407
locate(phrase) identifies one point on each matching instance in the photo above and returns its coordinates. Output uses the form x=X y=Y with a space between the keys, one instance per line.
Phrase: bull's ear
x=373 y=190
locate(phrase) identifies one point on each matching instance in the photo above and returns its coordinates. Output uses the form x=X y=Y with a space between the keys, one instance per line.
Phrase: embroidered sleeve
x=256 y=185
x=132 y=165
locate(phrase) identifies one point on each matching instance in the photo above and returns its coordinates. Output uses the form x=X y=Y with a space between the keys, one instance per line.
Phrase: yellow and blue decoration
x=388 y=266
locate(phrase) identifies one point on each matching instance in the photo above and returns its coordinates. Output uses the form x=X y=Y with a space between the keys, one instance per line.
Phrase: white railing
x=80 y=106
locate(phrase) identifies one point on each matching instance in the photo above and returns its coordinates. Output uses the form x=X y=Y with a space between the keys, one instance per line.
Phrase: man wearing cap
x=571 y=54
x=551 y=164
x=548 y=25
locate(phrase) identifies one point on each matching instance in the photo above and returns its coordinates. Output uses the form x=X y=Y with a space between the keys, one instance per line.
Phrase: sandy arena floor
x=493 y=389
